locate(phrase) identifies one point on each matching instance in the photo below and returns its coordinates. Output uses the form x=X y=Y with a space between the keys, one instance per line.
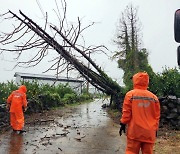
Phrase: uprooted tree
x=70 y=54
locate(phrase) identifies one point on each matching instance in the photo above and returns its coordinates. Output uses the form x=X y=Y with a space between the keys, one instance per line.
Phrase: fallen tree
x=69 y=54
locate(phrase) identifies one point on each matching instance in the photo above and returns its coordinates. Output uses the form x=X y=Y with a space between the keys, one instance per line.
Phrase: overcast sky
x=156 y=17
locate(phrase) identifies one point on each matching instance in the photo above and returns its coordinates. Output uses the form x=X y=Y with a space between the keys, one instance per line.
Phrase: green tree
x=131 y=57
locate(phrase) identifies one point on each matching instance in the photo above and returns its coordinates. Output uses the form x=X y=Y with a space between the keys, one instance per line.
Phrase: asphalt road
x=84 y=129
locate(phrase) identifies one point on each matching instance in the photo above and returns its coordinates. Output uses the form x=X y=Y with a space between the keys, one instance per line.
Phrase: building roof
x=46 y=77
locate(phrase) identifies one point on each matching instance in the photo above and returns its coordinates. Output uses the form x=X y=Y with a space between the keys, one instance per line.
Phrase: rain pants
x=17 y=101
x=141 y=113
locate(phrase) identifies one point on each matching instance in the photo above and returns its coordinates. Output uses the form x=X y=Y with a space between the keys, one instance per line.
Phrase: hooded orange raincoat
x=141 y=111
x=17 y=101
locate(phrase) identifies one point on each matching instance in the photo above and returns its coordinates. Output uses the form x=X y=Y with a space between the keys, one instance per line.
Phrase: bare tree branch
x=69 y=55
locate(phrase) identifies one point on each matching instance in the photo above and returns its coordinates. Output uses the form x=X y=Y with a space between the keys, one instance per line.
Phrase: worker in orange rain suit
x=17 y=103
x=141 y=113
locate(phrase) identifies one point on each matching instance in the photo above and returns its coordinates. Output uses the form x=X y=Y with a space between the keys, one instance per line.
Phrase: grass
x=167 y=142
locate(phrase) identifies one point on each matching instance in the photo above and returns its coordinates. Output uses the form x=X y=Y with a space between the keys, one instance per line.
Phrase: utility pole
x=88 y=68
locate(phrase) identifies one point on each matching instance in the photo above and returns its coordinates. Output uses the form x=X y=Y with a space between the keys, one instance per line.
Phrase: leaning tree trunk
x=95 y=75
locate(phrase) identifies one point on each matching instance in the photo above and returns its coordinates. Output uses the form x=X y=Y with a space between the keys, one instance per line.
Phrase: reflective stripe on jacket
x=141 y=110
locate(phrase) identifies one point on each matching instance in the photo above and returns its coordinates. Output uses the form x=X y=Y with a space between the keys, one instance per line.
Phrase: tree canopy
x=131 y=57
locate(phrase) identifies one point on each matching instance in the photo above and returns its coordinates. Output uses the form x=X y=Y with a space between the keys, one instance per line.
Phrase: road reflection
x=15 y=143
x=83 y=129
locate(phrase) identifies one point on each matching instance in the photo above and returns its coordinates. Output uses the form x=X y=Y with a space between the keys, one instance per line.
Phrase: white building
x=75 y=84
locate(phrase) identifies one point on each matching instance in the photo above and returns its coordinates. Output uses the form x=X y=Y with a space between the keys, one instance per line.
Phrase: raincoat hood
x=23 y=88
x=141 y=80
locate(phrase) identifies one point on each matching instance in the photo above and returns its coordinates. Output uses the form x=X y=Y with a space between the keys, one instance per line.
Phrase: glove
x=122 y=128
x=8 y=107
x=24 y=109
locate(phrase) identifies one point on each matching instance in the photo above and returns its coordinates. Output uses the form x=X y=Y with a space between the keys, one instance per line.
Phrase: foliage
x=50 y=100
x=5 y=90
x=85 y=96
x=69 y=98
x=131 y=57
x=62 y=89
x=115 y=86
x=43 y=96
x=162 y=84
x=167 y=82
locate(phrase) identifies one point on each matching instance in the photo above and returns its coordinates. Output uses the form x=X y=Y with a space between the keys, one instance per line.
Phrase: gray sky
x=156 y=17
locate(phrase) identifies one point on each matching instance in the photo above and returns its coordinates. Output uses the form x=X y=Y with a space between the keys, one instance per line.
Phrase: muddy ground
x=84 y=129
x=168 y=141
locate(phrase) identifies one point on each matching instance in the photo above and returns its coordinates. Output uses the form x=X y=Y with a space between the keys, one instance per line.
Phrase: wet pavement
x=86 y=129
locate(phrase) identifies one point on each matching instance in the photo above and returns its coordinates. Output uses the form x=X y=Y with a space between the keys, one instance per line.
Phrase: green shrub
x=85 y=97
x=50 y=100
x=69 y=98
x=62 y=89
x=167 y=83
x=43 y=96
x=6 y=89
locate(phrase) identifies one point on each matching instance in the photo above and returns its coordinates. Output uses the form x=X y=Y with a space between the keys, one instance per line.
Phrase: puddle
x=85 y=130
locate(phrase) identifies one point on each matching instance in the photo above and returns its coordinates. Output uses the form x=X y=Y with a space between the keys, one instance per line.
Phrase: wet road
x=85 y=130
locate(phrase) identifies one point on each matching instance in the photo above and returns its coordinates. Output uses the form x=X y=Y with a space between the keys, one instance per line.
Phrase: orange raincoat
x=141 y=112
x=17 y=101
